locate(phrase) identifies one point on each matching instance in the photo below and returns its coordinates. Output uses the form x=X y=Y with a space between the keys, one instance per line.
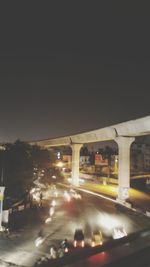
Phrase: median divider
x=125 y=204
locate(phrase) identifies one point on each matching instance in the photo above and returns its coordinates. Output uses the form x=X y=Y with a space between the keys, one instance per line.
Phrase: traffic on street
x=64 y=221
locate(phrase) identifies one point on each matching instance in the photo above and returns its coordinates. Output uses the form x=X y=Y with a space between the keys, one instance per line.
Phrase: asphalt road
x=87 y=213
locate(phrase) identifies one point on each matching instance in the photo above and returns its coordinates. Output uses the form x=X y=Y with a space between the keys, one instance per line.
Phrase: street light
x=60 y=164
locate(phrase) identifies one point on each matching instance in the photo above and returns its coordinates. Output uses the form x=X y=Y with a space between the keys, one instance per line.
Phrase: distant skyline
x=72 y=68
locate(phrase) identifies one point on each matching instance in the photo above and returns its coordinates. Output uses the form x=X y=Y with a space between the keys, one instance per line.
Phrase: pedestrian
x=60 y=252
x=53 y=252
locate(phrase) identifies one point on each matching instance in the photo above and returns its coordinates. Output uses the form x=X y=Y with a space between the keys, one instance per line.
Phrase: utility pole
x=2 y=189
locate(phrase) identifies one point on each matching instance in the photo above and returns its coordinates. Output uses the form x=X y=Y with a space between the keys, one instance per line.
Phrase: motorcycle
x=65 y=245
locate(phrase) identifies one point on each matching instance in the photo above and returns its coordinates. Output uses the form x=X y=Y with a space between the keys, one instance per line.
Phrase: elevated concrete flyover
x=130 y=128
x=123 y=134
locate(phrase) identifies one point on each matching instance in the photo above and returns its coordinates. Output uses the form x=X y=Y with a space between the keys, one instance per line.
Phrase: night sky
x=72 y=67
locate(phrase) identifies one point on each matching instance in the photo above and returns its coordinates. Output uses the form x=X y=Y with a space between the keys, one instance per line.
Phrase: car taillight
x=82 y=244
x=66 y=250
x=93 y=244
x=75 y=243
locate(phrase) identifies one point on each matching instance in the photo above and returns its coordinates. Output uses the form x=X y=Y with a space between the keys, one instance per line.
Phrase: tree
x=92 y=158
x=17 y=168
x=19 y=160
x=42 y=158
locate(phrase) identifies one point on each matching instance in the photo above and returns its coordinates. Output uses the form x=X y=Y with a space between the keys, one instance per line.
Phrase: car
x=67 y=196
x=118 y=232
x=74 y=194
x=39 y=240
x=79 y=238
x=97 y=238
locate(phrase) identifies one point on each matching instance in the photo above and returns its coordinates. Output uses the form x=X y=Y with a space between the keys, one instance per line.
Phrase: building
x=84 y=160
x=140 y=158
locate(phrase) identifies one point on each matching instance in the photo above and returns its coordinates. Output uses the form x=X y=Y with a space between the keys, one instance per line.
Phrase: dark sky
x=72 y=66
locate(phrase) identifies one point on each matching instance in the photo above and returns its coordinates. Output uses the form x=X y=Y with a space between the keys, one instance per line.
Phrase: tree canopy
x=17 y=163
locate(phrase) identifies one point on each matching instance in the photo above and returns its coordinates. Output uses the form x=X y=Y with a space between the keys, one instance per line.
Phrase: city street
x=62 y=217
x=139 y=200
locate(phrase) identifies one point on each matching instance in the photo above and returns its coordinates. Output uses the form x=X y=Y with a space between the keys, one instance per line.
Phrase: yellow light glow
x=60 y=164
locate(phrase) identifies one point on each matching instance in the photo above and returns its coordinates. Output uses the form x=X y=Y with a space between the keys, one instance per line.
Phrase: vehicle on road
x=97 y=238
x=74 y=194
x=53 y=252
x=79 y=238
x=64 y=245
x=118 y=232
x=67 y=196
x=39 y=241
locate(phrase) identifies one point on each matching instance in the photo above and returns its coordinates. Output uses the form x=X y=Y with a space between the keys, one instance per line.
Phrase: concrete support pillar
x=75 y=163
x=124 y=144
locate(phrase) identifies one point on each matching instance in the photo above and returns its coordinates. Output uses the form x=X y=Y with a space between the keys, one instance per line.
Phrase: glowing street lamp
x=60 y=164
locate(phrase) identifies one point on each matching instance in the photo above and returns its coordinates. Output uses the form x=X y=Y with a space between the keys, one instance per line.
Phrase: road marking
x=97 y=194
